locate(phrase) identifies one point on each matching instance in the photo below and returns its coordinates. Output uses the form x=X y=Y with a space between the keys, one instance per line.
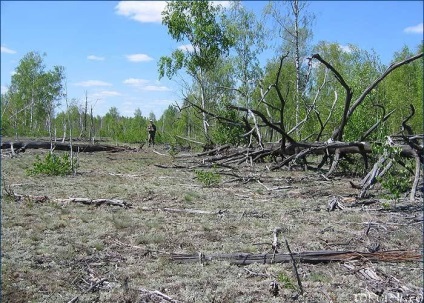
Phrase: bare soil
x=54 y=250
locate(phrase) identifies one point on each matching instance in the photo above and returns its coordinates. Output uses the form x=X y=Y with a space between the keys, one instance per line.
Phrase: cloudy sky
x=110 y=49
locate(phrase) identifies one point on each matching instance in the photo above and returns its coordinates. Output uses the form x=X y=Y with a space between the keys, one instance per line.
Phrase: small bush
x=208 y=178
x=52 y=165
x=396 y=180
x=285 y=281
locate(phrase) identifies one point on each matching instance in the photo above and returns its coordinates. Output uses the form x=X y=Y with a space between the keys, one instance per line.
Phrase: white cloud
x=90 y=83
x=4 y=89
x=225 y=4
x=108 y=93
x=145 y=85
x=105 y=94
x=149 y=11
x=186 y=47
x=417 y=29
x=139 y=58
x=156 y=88
x=95 y=58
x=7 y=50
x=345 y=48
x=141 y=11
x=135 y=82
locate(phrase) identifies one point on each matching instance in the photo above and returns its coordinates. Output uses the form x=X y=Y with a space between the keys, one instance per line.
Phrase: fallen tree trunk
x=324 y=256
x=184 y=210
x=87 y=201
x=79 y=147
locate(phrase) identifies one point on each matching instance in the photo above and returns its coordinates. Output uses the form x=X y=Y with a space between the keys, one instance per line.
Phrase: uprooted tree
x=288 y=151
x=407 y=141
x=336 y=107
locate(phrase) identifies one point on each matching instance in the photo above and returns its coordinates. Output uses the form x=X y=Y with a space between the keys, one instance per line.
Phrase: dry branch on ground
x=312 y=257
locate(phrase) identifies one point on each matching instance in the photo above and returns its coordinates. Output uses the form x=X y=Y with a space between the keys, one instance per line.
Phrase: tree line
x=228 y=96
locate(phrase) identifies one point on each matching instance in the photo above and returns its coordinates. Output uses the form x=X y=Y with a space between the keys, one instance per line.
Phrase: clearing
x=139 y=218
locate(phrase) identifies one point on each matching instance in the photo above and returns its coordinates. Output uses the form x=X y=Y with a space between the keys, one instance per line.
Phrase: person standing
x=151 y=130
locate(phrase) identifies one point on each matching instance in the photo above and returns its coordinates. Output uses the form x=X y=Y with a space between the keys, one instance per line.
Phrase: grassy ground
x=55 y=251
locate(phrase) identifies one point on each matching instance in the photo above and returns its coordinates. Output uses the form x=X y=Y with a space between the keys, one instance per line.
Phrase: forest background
x=232 y=76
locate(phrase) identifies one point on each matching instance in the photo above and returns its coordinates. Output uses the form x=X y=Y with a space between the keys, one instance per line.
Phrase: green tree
x=140 y=126
x=196 y=22
x=249 y=43
x=402 y=87
x=33 y=95
x=294 y=26
x=111 y=124
x=359 y=68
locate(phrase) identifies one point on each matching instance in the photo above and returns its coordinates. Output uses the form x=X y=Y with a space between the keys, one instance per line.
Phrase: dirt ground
x=56 y=250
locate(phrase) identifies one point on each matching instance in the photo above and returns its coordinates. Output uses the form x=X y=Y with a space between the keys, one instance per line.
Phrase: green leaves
x=195 y=22
x=208 y=178
x=33 y=95
x=52 y=165
x=397 y=179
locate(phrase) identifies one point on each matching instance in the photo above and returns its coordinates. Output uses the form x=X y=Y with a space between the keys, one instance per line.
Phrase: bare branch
x=379 y=79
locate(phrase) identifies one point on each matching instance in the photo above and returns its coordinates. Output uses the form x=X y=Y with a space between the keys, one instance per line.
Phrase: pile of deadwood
x=296 y=154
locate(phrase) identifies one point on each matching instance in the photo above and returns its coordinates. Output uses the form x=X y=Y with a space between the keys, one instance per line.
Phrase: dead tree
x=334 y=148
x=350 y=108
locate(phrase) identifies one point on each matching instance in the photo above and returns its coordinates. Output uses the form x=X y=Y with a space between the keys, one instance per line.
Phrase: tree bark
x=61 y=146
x=312 y=257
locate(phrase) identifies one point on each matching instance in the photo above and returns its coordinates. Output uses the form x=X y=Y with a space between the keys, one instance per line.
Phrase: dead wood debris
x=275 y=246
x=91 y=288
x=273 y=288
x=184 y=210
x=21 y=146
x=88 y=201
x=150 y=294
x=296 y=151
x=96 y=202
x=313 y=257
x=380 y=285
x=334 y=204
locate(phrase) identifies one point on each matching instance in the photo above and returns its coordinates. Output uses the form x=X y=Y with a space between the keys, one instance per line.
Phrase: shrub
x=396 y=180
x=208 y=178
x=53 y=165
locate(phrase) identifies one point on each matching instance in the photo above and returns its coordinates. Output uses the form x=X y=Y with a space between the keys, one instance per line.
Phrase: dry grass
x=53 y=252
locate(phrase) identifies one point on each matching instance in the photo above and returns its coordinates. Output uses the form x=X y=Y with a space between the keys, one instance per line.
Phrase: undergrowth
x=53 y=165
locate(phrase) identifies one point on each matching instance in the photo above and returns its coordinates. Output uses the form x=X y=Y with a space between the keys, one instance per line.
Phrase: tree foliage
x=34 y=93
x=294 y=92
x=195 y=22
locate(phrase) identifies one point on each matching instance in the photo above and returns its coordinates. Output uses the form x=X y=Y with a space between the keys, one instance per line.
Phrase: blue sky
x=110 y=49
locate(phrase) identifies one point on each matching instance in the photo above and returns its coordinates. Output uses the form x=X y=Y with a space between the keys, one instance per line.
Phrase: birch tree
x=34 y=94
x=195 y=22
x=294 y=30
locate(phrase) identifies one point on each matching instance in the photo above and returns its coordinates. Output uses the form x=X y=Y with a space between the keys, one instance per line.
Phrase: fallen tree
x=287 y=151
x=313 y=257
x=21 y=146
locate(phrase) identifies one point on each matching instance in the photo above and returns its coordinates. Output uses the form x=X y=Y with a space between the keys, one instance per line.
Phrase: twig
x=159 y=294
x=75 y=299
x=252 y=273
x=275 y=244
x=275 y=188
x=145 y=251
x=156 y=152
x=294 y=267
x=416 y=178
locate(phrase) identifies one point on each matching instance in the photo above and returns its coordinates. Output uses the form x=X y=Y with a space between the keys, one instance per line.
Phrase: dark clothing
x=151 y=129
